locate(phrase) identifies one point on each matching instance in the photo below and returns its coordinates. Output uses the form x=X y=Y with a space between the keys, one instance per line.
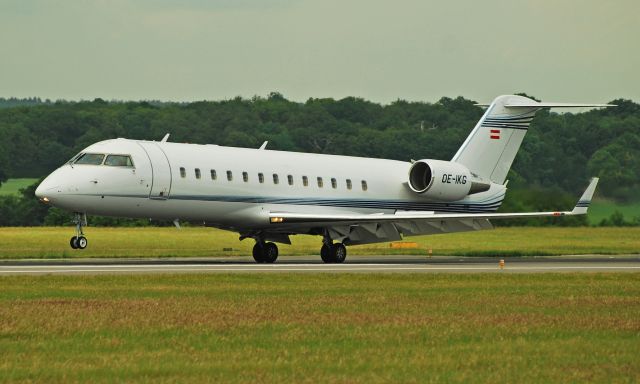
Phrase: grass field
x=13 y=186
x=603 y=209
x=321 y=328
x=53 y=242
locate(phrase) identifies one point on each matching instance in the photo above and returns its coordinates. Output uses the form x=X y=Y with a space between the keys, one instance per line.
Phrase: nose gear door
x=160 y=170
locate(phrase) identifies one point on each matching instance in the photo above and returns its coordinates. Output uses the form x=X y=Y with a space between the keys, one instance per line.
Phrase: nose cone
x=47 y=187
x=39 y=191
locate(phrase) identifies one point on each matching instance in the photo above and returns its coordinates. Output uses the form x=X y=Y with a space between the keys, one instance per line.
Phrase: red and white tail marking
x=495 y=134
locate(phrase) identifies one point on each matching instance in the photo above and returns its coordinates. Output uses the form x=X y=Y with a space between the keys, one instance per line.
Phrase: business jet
x=269 y=195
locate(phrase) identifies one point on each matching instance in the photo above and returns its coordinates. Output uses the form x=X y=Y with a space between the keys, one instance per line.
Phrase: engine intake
x=444 y=180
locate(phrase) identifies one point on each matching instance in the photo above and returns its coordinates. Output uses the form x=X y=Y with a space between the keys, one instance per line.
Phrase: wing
x=353 y=228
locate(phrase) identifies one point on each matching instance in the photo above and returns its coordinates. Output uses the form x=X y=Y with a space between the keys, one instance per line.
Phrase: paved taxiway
x=354 y=264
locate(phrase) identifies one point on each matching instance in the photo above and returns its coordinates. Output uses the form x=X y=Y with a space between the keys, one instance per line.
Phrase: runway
x=306 y=264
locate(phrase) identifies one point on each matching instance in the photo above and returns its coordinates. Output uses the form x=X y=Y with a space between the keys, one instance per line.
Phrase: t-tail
x=493 y=144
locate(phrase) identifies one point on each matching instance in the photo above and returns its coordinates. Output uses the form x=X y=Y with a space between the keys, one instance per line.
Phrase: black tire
x=338 y=252
x=270 y=253
x=326 y=254
x=73 y=242
x=82 y=242
x=258 y=252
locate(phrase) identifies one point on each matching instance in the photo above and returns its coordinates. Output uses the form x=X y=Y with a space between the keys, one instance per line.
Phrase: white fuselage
x=162 y=184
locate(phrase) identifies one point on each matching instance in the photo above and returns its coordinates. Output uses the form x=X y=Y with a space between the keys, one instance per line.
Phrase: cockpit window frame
x=75 y=157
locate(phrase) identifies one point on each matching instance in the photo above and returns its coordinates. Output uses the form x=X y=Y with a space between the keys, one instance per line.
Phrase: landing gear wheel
x=270 y=253
x=81 y=242
x=74 y=242
x=338 y=252
x=325 y=253
x=258 y=252
x=265 y=252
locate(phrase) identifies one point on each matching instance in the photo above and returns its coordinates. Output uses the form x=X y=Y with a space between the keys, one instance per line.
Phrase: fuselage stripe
x=489 y=205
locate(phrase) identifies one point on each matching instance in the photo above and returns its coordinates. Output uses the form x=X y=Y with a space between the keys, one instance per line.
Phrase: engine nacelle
x=444 y=180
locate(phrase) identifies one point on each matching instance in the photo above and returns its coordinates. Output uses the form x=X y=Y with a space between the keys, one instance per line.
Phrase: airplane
x=269 y=195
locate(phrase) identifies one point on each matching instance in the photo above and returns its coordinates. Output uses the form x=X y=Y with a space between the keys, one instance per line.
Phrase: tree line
x=559 y=153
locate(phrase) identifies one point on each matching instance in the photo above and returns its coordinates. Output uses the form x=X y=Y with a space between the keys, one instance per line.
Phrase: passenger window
x=276 y=180
x=197 y=173
x=245 y=176
x=290 y=179
x=305 y=181
x=119 y=161
x=229 y=175
x=348 y=183
x=90 y=159
x=364 y=185
x=214 y=175
x=320 y=183
x=260 y=177
x=334 y=183
x=183 y=172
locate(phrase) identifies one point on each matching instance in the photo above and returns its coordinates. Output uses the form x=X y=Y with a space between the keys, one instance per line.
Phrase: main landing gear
x=265 y=252
x=333 y=253
x=79 y=241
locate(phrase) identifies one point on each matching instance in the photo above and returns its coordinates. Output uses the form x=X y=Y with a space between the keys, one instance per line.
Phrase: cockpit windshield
x=118 y=161
x=90 y=158
x=98 y=158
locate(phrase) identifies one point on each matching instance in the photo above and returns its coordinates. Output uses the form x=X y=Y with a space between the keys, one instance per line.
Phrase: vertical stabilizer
x=494 y=142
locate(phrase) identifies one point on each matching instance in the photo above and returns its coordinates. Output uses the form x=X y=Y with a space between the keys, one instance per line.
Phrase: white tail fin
x=494 y=142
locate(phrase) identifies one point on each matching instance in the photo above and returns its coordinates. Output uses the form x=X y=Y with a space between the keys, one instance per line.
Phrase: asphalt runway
x=305 y=264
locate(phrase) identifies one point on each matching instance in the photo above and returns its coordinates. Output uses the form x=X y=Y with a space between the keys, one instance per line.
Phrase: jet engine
x=444 y=180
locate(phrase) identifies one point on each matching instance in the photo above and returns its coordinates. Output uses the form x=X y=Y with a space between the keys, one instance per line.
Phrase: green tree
x=618 y=166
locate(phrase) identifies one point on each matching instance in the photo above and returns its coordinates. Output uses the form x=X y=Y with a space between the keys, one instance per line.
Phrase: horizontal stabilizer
x=533 y=104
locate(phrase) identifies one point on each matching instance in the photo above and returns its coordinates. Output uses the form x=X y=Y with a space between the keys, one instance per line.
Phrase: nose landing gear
x=79 y=241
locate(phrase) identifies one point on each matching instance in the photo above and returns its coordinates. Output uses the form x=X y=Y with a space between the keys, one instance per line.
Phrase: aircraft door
x=160 y=170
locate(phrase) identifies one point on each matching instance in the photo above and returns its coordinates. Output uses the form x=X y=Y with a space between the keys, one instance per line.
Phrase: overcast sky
x=581 y=51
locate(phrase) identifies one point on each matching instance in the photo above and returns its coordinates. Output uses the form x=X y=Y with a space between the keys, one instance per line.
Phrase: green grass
x=53 y=242
x=13 y=186
x=321 y=328
x=603 y=209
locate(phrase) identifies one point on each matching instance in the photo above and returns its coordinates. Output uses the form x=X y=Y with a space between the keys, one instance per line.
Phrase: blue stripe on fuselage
x=489 y=205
